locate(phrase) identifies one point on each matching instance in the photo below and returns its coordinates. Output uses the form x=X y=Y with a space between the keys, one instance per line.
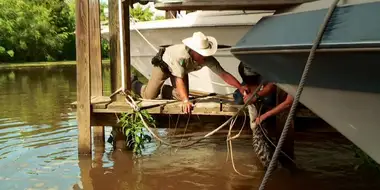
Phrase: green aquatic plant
x=133 y=128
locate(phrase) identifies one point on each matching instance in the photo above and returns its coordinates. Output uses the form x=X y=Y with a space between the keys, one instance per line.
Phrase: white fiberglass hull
x=343 y=85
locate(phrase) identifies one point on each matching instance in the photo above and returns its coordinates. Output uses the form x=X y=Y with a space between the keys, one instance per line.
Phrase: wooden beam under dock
x=96 y=61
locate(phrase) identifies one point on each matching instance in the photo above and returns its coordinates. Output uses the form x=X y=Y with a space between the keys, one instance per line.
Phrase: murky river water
x=38 y=149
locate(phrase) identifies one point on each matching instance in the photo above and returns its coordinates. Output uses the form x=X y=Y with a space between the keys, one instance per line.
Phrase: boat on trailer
x=343 y=85
x=226 y=26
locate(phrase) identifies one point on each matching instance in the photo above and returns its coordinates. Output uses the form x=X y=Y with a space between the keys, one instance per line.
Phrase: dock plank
x=98 y=101
x=202 y=107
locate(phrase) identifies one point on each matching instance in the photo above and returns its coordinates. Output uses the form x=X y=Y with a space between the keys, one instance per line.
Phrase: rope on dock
x=136 y=108
x=281 y=141
x=232 y=121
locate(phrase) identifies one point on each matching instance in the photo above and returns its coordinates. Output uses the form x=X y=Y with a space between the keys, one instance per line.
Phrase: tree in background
x=44 y=30
x=34 y=30
x=139 y=14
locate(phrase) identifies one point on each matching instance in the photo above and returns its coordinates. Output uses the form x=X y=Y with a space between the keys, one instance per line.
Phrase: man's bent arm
x=181 y=88
x=279 y=108
x=229 y=79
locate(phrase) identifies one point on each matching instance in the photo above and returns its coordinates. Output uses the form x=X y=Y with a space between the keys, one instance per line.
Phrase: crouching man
x=175 y=62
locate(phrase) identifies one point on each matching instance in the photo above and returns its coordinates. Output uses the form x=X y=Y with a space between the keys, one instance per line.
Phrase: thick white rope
x=229 y=145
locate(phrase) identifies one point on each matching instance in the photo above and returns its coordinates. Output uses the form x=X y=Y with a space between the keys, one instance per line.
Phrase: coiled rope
x=133 y=104
x=316 y=43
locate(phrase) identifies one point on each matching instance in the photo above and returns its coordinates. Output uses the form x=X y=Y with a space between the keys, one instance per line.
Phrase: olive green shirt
x=180 y=62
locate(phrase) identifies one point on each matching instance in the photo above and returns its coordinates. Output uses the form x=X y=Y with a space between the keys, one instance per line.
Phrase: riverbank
x=105 y=62
x=42 y=64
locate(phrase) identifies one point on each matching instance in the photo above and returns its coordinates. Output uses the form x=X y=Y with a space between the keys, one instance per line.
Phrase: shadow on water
x=38 y=149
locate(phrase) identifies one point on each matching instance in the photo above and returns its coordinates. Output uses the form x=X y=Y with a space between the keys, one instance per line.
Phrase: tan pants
x=155 y=86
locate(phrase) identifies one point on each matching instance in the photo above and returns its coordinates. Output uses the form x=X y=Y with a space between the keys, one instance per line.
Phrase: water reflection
x=38 y=149
x=200 y=167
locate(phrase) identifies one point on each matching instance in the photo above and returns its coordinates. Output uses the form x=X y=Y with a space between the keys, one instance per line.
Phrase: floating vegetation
x=133 y=129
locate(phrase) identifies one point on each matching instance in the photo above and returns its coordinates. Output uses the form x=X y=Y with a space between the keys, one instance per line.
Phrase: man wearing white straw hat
x=176 y=62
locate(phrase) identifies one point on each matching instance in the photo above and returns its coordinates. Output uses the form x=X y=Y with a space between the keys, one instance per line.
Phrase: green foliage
x=102 y=14
x=140 y=14
x=44 y=30
x=34 y=30
x=133 y=129
x=160 y=18
x=105 y=48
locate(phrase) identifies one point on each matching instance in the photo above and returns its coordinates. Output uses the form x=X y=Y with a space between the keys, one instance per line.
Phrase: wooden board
x=202 y=107
x=228 y=4
x=83 y=76
x=98 y=101
x=96 y=61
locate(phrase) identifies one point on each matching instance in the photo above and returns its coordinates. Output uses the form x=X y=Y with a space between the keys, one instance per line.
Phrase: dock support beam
x=96 y=62
x=89 y=70
x=116 y=69
x=83 y=76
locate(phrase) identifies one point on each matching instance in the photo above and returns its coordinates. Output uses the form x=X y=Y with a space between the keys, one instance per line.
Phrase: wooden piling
x=83 y=76
x=116 y=73
x=127 y=44
x=115 y=57
x=96 y=62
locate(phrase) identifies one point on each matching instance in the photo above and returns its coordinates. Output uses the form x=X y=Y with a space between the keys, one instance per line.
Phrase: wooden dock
x=206 y=106
x=96 y=110
x=212 y=106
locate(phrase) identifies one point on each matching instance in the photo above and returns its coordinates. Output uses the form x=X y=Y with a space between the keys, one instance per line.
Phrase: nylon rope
x=298 y=94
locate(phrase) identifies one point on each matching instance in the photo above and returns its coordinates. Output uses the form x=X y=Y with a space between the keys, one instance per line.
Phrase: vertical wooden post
x=116 y=83
x=96 y=61
x=288 y=146
x=83 y=77
x=127 y=44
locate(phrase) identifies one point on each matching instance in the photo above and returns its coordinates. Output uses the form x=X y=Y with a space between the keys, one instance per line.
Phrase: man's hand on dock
x=187 y=106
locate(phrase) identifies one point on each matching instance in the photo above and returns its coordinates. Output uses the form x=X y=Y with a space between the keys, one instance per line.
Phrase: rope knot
x=133 y=104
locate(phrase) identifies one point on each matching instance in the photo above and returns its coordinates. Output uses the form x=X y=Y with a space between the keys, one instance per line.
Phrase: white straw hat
x=204 y=45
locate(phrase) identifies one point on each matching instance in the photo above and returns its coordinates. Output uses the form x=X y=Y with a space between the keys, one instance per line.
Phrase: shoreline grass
x=42 y=64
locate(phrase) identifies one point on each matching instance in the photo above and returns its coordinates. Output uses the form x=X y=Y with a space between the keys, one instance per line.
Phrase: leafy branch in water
x=133 y=129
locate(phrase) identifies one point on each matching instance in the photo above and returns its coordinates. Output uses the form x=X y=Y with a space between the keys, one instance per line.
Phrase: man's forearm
x=231 y=80
x=181 y=88
x=281 y=107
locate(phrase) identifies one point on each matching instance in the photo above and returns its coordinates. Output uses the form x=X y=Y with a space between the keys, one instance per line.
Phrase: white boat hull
x=355 y=114
x=343 y=85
